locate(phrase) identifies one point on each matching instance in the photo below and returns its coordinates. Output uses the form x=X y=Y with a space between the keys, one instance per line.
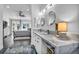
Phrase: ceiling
x=26 y=8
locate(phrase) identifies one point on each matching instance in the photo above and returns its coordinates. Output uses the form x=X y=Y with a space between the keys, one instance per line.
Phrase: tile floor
x=20 y=47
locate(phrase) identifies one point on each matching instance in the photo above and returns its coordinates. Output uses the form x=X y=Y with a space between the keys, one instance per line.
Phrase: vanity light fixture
x=50 y=6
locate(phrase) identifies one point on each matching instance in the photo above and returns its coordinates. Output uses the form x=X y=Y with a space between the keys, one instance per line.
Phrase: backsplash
x=74 y=35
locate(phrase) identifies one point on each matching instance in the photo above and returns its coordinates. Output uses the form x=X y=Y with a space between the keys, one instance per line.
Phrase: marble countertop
x=55 y=41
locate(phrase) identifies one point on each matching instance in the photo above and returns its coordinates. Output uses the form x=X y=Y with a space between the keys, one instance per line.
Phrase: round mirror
x=52 y=17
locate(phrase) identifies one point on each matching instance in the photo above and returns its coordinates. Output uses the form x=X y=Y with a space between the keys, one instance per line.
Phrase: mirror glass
x=42 y=21
x=52 y=17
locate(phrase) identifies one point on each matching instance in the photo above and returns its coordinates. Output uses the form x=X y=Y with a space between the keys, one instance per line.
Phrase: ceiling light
x=7 y=6
x=27 y=9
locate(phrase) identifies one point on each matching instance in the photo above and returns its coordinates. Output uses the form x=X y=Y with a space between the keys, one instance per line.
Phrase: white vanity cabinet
x=33 y=39
x=67 y=49
x=39 y=44
x=46 y=43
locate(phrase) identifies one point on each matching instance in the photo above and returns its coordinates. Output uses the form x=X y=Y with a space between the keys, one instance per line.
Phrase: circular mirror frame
x=52 y=14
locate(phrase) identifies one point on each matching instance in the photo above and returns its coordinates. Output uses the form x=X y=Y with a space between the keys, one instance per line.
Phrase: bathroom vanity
x=46 y=43
x=57 y=46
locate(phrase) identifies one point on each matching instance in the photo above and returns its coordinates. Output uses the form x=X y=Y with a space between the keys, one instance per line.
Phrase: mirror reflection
x=52 y=17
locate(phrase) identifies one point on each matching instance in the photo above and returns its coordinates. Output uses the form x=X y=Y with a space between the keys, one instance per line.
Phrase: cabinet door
x=38 y=44
x=67 y=49
x=43 y=48
x=33 y=39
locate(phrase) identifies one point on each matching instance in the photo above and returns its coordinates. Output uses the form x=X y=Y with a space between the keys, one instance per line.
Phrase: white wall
x=1 y=27
x=70 y=13
x=6 y=17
